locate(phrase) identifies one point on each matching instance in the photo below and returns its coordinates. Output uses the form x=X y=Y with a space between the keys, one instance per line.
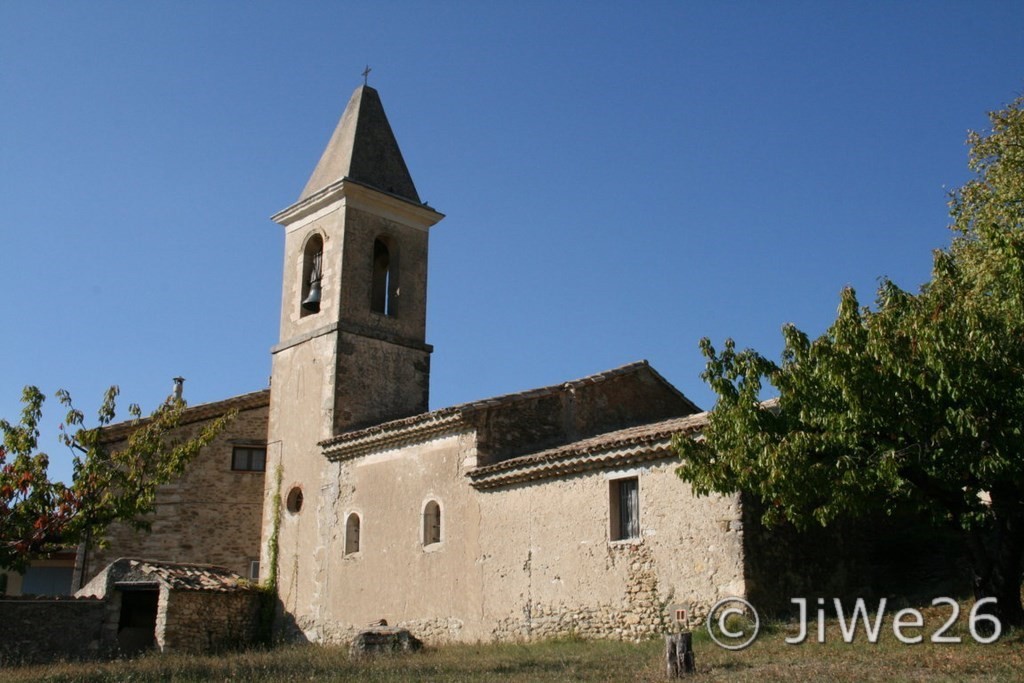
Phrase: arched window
x=312 y=276
x=385 y=276
x=431 y=523
x=352 y=534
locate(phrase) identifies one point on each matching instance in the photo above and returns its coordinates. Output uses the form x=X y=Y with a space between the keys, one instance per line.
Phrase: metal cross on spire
x=366 y=74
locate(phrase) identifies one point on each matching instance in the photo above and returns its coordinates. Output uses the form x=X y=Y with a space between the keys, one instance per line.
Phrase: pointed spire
x=363 y=149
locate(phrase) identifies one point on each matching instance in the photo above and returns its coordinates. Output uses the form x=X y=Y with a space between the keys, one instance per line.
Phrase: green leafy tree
x=919 y=400
x=38 y=514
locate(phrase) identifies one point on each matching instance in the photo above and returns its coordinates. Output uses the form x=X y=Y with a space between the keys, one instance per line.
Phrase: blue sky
x=619 y=179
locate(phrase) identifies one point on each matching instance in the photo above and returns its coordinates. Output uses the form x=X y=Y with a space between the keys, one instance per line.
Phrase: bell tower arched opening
x=312 y=276
x=384 y=297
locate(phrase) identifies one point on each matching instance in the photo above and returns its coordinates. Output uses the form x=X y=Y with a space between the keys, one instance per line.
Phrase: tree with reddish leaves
x=38 y=514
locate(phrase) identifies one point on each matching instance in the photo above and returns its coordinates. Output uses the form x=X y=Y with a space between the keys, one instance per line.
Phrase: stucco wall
x=549 y=567
x=432 y=589
x=524 y=561
x=300 y=415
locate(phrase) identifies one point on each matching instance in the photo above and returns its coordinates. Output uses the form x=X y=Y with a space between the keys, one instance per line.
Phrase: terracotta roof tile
x=396 y=432
x=192 y=414
x=192 y=577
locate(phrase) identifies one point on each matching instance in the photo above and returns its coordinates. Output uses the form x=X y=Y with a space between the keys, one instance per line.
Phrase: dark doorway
x=136 y=629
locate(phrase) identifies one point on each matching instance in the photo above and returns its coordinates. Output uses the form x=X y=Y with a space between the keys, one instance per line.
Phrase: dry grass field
x=768 y=659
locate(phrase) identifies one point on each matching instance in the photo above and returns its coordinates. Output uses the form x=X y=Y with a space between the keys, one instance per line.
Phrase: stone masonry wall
x=210 y=515
x=39 y=630
x=194 y=621
x=535 y=422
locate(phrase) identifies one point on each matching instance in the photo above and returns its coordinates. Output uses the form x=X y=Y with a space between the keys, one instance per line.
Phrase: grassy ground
x=768 y=659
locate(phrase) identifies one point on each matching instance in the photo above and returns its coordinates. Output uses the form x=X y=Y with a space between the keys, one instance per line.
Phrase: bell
x=312 y=302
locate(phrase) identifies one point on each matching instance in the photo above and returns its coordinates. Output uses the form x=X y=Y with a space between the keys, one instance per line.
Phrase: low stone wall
x=38 y=630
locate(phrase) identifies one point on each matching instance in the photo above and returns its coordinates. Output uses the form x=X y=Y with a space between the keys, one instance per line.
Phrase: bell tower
x=356 y=271
x=352 y=349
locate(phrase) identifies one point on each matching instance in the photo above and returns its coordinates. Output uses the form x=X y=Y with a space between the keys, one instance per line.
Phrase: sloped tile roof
x=191 y=577
x=448 y=420
x=197 y=413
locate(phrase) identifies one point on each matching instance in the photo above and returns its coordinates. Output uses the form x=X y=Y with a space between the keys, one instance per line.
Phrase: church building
x=554 y=511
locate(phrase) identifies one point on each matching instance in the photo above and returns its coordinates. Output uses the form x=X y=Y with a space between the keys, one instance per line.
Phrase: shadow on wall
x=900 y=555
x=276 y=625
x=40 y=630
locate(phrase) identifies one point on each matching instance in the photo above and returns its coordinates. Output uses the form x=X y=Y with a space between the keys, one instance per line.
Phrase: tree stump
x=679 y=654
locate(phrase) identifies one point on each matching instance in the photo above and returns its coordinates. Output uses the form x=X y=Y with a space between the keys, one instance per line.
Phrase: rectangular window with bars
x=249 y=459
x=624 y=504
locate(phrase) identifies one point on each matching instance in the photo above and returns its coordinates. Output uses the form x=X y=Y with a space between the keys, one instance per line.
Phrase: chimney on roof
x=179 y=385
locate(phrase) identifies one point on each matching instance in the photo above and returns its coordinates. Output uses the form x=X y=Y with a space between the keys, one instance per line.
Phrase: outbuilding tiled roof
x=190 y=577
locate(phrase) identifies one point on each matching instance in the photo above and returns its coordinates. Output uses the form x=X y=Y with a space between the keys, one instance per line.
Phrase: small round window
x=294 y=501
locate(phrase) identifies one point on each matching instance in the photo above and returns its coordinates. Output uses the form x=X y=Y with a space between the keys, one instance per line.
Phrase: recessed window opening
x=431 y=523
x=294 y=501
x=352 y=534
x=249 y=459
x=385 y=277
x=624 y=509
x=312 y=276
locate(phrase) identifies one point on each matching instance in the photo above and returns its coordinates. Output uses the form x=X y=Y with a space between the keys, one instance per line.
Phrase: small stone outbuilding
x=174 y=607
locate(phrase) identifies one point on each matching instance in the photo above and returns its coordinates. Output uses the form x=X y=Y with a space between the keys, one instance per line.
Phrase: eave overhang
x=358 y=195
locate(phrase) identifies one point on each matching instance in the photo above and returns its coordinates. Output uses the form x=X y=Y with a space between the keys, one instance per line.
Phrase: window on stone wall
x=248 y=459
x=254 y=570
x=352 y=534
x=624 y=504
x=431 y=523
